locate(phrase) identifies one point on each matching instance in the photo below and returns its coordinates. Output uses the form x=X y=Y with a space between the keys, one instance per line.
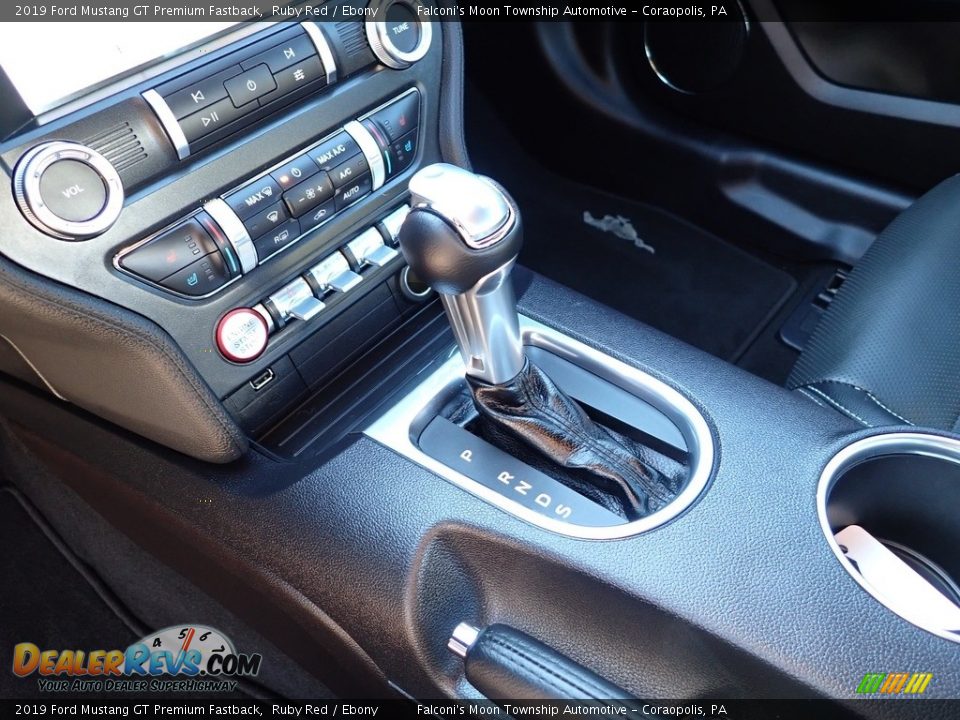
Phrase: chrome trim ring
x=370 y=150
x=169 y=123
x=933 y=446
x=235 y=231
x=26 y=188
x=400 y=426
x=323 y=50
x=383 y=47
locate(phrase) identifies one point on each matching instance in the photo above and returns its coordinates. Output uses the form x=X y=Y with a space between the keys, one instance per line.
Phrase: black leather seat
x=887 y=352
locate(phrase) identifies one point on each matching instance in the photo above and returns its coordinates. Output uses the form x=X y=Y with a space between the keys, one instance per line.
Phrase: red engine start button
x=242 y=335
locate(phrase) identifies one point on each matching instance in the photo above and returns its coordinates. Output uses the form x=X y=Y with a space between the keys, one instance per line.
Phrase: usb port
x=262 y=380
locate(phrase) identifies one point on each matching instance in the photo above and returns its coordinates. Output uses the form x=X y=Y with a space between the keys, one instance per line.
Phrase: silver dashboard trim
x=398 y=428
x=923 y=444
x=169 y=122
x=323 y=50
x=235 y=231
x=371 y=151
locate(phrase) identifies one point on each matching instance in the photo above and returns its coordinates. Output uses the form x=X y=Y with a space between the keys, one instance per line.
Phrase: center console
x=303 y=370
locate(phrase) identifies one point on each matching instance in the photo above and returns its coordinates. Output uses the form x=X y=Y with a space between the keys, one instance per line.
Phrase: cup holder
x=890 y=508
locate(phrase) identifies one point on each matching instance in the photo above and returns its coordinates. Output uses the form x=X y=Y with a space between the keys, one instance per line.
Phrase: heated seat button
x=399 y=117
x=199 y=278
x=295 y=171
x=353 y=191
x=402 y=152
x=72 y=190
x=330 y=153
x=307 y=195
x=169 y=252
x=345 y=173
x=248 y=86
x=251 y=199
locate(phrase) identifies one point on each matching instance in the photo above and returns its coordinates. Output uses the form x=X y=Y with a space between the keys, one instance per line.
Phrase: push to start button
x=242 y=335
x=68 y=190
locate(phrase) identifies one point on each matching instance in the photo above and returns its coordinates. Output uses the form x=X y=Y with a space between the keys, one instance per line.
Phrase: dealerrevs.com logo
x=184 y=658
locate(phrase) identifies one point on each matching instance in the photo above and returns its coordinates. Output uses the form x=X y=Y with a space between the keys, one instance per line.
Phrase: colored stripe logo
x=894 y=683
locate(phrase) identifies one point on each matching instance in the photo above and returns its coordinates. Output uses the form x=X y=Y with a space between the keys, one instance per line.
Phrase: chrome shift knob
x=462 y=237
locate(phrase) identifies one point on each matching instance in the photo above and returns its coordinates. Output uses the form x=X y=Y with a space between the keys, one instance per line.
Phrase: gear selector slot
x=430 y=426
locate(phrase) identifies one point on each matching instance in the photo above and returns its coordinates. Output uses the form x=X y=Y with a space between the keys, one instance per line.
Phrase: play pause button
x=209 y=119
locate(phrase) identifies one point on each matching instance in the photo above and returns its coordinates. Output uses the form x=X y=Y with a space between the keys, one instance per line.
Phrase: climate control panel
x=230 y=236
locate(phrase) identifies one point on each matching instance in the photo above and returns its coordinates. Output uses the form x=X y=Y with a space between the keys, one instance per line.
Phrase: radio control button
x=295 y=171
x=349 y=194
x=401 y=38
x=68 y=190
x=250 y=85
x=211 y=118
x=267 y=221
x=293 y=78
x=199 y=278
x=284 y=55
x=306 y=196
x=200 y=94
x=251 y=199
x=330 y=153
x=277 y=239
x=170 y=251
x=352 y=169
x=72 y=190
x=242 y=335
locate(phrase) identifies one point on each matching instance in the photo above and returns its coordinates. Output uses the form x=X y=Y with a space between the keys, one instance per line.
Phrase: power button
x=68 y=190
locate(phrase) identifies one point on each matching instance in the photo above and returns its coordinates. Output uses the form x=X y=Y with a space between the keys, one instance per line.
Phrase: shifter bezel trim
x=400 y=426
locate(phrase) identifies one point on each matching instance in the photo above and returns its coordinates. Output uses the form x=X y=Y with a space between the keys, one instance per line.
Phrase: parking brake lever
x=506 y=664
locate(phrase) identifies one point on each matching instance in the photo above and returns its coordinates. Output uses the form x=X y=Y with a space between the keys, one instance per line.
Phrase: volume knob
x=67 y=190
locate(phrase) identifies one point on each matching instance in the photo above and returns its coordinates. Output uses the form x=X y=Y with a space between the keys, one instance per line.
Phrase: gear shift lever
x=463 y=242
x=462 y=236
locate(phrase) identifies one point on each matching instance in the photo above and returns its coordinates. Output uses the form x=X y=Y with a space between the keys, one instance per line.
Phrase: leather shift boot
x=532 y=409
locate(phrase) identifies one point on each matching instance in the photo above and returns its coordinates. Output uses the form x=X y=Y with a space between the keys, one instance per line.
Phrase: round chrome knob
x=68 y=190
x=401 y=36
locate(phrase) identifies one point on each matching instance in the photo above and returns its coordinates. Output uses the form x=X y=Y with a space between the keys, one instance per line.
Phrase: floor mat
x=651 y=266
x=45 y=600
x=633 y=257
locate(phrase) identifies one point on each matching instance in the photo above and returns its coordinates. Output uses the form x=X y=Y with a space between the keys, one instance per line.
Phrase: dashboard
x=243 y=193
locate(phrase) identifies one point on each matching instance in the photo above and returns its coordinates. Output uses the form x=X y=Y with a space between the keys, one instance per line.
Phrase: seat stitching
x=838 y=406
